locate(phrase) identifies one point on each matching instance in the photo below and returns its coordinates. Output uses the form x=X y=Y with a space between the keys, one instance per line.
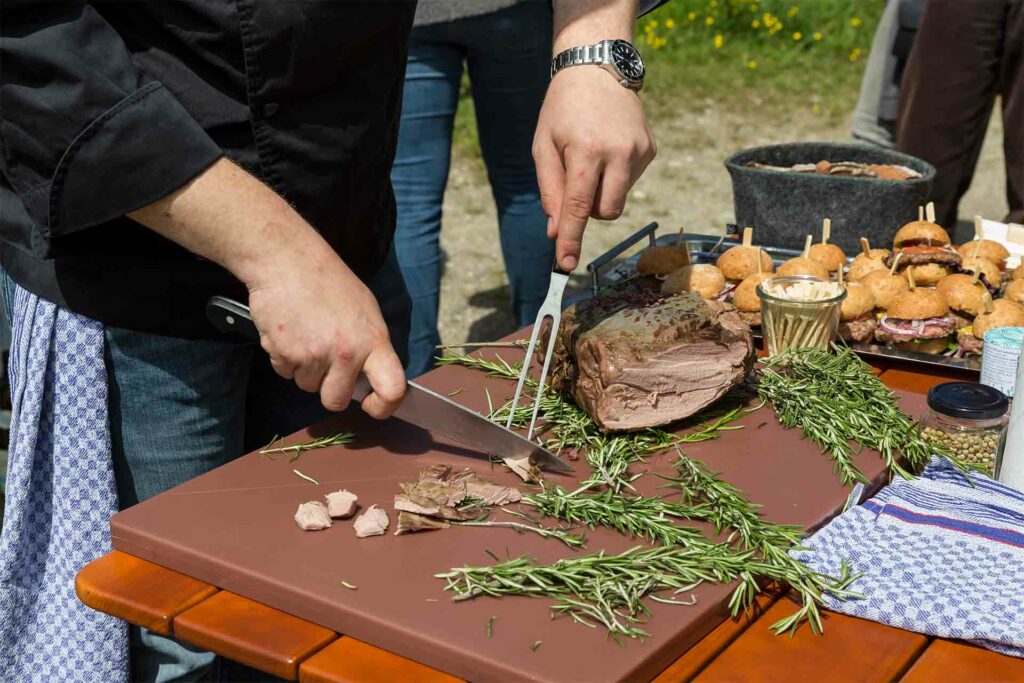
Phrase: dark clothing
x=965 y=54
x=108 y=106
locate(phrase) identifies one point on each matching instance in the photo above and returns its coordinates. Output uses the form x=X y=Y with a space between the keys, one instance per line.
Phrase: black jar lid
x=968 y=400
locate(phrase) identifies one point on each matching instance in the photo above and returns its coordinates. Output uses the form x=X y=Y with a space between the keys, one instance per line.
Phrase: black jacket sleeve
x=646 y=6
x=85 y=135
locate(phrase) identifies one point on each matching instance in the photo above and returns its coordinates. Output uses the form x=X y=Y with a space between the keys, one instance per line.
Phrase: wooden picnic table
x=743 y=649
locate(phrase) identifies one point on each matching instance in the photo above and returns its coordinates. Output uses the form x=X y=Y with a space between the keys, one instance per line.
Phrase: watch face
x=628 y=61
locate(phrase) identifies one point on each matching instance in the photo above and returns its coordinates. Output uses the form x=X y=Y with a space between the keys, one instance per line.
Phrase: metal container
x=999 y=358
x=789 y=323
x=786 y=207
x=969 y=419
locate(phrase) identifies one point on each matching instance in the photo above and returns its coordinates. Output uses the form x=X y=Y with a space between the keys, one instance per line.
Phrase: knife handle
x=233 y=317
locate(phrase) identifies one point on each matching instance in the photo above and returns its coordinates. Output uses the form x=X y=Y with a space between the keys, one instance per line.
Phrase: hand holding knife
x=421 y=406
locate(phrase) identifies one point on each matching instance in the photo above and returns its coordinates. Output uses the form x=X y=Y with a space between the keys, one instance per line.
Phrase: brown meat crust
x=862 y=330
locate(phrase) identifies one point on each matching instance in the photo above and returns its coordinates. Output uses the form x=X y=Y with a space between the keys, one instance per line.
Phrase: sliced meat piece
x=524 y=469
x=861 y=330
x=373 y=522
x=752 y=318
x=312 y=516
x=409 y=522
x=492 y=494
x=969 y=343
x=341 y=504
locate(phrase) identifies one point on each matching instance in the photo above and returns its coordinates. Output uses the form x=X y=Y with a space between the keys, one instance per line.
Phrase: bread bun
x=924 y=345
x=963 y=293
x=1015 y=291
x=703 y=278
x=828 y=255
x=884 y=287
x=1004 y=313
x=799 y=265
x=862 y=265
x=740 y=261
x=918 y=304
x=926 y=274
x=745 y=297
x=1018 y=272
x=991 y=271
x=661 y=260
x=993 y=251
x=924 y=232
x=859 y=302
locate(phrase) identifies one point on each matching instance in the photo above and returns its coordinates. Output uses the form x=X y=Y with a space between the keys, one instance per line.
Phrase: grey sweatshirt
x=440 y=11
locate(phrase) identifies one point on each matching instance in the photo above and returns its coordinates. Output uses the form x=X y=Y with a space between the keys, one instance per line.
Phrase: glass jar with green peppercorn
x=968 y=419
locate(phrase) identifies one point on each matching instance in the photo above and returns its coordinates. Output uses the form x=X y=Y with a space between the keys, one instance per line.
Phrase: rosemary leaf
x=297 y=449
x=306 y=477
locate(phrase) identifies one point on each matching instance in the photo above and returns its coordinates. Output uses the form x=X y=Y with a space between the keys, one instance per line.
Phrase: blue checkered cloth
x=60 y=496
x=939 y=557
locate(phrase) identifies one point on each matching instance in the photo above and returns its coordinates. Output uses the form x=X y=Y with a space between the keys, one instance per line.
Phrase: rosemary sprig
x=308 y=478
x=571 y=540
x=297 y=449
x=837 y=400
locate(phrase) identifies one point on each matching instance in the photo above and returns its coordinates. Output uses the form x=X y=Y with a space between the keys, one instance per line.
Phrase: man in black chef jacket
x=156 y=153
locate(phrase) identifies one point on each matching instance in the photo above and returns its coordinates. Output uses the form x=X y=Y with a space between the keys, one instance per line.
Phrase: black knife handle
x=231 y=317
x=557 y=269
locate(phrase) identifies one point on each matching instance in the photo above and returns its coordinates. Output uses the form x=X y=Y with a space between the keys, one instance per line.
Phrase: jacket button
x=270 y=108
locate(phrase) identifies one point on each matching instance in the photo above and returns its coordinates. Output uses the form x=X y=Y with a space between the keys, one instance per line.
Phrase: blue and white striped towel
x=939 y=557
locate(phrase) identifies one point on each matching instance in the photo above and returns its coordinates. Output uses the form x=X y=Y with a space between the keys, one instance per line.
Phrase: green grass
x=807 y=54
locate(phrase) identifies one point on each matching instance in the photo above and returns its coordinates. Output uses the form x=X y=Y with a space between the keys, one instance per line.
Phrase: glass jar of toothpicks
x=799 y=311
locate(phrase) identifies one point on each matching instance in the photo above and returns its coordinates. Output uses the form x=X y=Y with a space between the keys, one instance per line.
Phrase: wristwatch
x=619 y=57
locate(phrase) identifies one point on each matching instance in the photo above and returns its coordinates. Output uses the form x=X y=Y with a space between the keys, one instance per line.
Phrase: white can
x=999 y=358
x=1011 y=463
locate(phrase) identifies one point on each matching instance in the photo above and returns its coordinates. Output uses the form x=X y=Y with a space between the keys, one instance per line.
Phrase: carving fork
x=551 y=308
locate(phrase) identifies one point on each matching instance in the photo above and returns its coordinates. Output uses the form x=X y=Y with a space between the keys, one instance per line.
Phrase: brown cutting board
x=233 y=528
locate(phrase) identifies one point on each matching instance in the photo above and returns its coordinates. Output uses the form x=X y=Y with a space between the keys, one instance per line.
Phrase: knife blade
x=421 y=407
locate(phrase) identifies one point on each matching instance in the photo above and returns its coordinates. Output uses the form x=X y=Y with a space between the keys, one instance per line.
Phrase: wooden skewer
x=910 y=278
x=759 y=252
x=976 y=275
x=807 y=246
x=979 y=230
x=839 y=274
x=986 y=300
x=826 y=230
x=686 y=248
x=920 y=213
x=865 y=246
x=748 y=236
x=679 y=237
x=895 y=262
x=930 y=211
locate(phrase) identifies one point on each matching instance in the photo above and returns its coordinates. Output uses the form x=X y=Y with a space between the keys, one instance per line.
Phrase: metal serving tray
x=611 y=267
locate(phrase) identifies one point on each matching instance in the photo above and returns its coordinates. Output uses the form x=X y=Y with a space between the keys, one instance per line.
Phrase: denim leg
x=509 y=57
x=175 y=413
x=419 y=175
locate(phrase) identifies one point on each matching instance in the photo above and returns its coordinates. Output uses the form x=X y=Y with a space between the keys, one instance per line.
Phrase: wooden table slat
x=348 y=660
x=140 y=592
x=253 y=634
x=710 y=646
x=921 y=379
x=851 y=650
x=947 y=660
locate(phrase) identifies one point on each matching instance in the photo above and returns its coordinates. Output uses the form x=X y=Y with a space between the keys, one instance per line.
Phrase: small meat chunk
x=341 y=504
x=373 y=522
x=860 y=330
x=524 y=469
x=312 y=516
x=409 y=522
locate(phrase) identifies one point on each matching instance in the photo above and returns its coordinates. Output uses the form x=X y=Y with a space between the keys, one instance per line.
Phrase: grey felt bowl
x=784 y=207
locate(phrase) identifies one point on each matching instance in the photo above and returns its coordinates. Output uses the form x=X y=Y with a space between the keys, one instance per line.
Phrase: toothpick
x=920 y=213
x=826 y=230
x=807 y=246
x=865 y=246
x=748 y=236
x=839 y=273
x=679 y=237
x=979 y=231
x=976 y=275
x=986 y=299
x=930 y=211
x=895 y=262
x=759 y=252
x=910 y=278
x=686 y=248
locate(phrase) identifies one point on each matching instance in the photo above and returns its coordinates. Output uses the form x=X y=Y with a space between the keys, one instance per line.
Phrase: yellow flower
x=855 y=54
x=816 y=108
x=719 y=41
x=709 y=20
x=817 y=35
x=755 y=24
x=798 y=36
x=855 y=22
x=793 y=11
x=653 y=24
x=692 y=16
x=751 y=64
x=669 y=23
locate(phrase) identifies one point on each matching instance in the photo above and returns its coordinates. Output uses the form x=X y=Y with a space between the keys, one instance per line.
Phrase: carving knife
x=421 y=407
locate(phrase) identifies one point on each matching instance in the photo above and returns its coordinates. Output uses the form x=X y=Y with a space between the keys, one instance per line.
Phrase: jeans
x=508 y=54
x=179 y=408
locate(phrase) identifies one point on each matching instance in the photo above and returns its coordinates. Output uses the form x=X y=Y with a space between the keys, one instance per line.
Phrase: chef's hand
x=319 y=323
x=592 y=141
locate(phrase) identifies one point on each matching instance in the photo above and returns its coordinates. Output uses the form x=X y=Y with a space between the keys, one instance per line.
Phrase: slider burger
x=857 y=314
x=923 y=242
x=1001 y=313
x=989 y=249
x=869 y=260
x=885 y=286
x=993 y=276
x=703 y=278
x=740 y=262
x=1018 y=273
x=802 y=265
x=964 y=295
x=746 y=300
x=662 y=260
x=917 y=320
x=828 y=255
x=1015 y=291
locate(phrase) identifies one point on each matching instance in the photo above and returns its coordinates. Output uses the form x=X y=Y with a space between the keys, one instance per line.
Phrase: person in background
x=506 y=46
x=965 y=55
x=160 y=152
